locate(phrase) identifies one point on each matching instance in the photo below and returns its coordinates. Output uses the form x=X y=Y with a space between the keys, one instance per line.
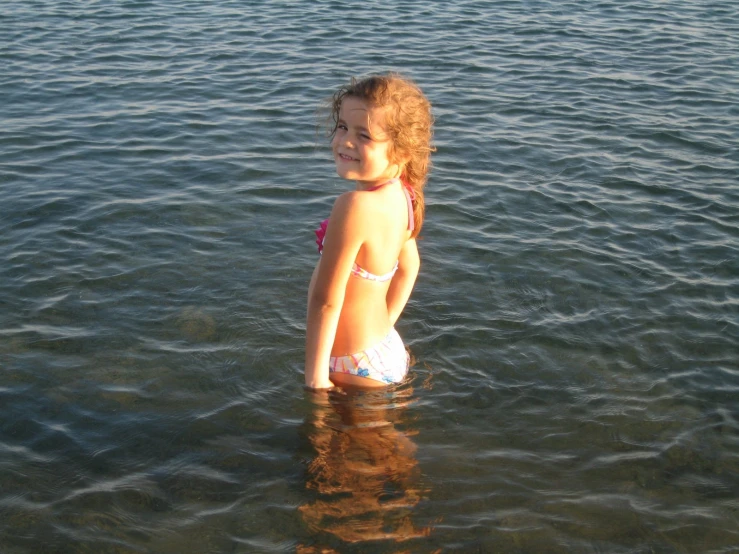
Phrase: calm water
x=574 y=327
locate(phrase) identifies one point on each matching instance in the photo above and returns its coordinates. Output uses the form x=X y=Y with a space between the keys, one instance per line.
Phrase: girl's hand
x=319 y=387
x=317 y=381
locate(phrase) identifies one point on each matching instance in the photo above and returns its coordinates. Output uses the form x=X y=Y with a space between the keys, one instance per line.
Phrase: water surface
x=574 y=328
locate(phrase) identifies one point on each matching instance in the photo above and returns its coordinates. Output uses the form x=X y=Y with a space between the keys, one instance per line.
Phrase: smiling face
x=361 y=145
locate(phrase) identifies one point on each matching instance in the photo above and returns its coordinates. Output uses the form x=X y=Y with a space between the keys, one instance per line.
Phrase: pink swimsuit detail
x=356 y=269
x=387 y=361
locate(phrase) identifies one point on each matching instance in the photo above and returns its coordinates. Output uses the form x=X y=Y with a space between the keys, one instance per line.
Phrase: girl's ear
x=401 y=168
x=401 y=162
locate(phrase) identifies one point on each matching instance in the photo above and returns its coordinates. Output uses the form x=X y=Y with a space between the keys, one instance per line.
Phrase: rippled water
x=574 y=327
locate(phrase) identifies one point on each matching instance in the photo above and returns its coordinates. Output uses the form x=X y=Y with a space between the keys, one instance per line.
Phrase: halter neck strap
x=389 y=182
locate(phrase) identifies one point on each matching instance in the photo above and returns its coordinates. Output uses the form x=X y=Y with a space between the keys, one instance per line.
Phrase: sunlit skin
x=347 y=314
x=361 y=145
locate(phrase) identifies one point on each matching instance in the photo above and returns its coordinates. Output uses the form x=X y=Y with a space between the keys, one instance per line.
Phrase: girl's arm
x=340 y=247
x=403 y=280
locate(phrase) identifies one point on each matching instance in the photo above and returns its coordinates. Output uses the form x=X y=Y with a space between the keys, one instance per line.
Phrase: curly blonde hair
x=408 y=121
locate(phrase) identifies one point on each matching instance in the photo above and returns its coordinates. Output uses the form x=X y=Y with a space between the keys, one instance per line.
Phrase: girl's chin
x=344 y=174
x=347 y=172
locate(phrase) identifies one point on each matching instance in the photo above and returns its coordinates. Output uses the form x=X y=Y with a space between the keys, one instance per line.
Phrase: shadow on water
x=362 y=480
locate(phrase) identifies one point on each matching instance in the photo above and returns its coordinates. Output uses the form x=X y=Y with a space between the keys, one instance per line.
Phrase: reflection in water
x=364 y=475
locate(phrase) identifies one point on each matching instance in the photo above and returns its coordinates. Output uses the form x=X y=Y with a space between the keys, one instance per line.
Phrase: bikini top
x=356 y=269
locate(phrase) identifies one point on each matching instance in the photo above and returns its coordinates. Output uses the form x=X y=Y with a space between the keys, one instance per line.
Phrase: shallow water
x=574 y=328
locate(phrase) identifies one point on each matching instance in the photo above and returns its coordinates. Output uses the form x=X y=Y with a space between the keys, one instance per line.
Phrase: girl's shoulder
x=357 y=202
x=357 y=212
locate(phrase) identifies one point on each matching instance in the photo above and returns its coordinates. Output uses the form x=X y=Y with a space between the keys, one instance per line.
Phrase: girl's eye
x=365 y=136
x=341 y=126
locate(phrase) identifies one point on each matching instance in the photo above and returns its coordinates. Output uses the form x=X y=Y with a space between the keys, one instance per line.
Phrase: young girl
x=381 y=139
